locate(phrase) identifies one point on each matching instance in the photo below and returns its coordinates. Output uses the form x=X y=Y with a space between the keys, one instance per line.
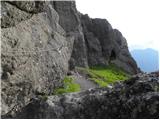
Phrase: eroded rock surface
x=35 y=54
x=137 y=97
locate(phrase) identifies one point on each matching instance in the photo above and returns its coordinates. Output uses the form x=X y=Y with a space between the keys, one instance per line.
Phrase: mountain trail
x=84 y=83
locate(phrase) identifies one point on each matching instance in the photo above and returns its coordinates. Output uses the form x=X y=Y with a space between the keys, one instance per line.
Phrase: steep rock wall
x=95 y=41
x=106 y=45
x=35 y=52
x=70 y=21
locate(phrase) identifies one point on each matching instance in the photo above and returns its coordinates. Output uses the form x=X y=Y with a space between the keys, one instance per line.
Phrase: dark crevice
x=112 y=56
x=87 y=47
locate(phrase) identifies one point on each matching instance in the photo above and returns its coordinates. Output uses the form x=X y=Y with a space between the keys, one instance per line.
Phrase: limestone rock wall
x=34 y=52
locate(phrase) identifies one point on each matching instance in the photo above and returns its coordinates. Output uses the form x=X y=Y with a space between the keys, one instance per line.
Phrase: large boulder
x=137 y=97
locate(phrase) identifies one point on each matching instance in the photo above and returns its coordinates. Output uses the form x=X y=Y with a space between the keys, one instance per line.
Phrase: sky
x=138 y=20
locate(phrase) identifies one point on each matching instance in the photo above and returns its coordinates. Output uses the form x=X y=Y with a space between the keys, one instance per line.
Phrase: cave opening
x=112 y=56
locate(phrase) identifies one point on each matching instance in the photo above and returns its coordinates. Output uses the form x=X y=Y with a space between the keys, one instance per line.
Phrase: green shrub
x=69 y=86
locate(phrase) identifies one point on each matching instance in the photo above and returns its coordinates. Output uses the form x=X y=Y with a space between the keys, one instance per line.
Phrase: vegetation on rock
x=104 y=75
x=68 y=86
x=135 y=98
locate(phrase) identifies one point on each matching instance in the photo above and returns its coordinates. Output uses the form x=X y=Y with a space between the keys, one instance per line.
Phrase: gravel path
x=84 y=83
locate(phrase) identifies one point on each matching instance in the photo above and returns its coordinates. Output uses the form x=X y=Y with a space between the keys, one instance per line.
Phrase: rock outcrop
x=95 y=41
x=136 y=98
x=42 y=40
x=106 y=45
x=70 y=21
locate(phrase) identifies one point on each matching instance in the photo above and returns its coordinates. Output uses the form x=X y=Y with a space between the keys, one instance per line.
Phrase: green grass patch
x=100 y=82
x=69 y=86
x=104 y=75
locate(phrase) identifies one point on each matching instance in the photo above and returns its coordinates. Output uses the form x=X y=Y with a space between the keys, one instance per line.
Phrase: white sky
x=138 y=20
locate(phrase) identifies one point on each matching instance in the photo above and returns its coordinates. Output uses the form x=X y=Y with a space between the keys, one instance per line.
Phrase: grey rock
x=106 y=45
x=70 y=21
x=124 y=58
x=95 y=41
x=34 y=56
x=13 y=12
x=132 y=99
x=29 y=6
x=94 y=49
x=10 y=15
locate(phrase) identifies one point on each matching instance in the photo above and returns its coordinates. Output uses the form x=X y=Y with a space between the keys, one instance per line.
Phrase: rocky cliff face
x=95 y=42
x=35 y=52
x=70 y=21
x=106 y=45
x=41 y=41
x=136 y=98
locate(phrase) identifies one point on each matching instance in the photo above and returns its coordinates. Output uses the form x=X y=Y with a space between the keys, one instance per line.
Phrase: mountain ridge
x=147 y=59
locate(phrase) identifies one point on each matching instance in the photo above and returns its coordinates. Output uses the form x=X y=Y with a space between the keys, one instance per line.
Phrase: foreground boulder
x=137 y=97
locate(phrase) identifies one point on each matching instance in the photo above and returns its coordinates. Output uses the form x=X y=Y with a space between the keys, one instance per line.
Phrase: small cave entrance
x=112 y=56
